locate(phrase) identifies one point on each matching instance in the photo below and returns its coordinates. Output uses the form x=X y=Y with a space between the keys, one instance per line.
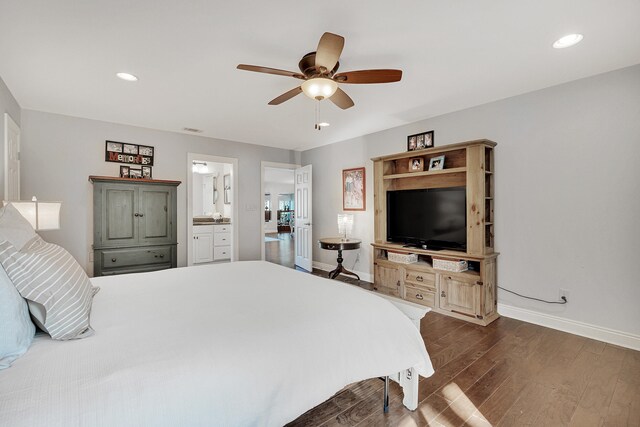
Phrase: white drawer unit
x=222 y=252
x=222 y=228
x=222 y=241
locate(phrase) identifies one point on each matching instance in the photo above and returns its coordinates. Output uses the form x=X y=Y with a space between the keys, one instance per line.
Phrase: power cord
x=356 y=261
x=563 y=298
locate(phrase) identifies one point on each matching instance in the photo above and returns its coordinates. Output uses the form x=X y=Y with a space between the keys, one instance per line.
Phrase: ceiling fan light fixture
x=319 y=88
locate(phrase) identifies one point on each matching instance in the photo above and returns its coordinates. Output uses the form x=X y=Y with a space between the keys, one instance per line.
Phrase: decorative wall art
x=354 y=189
x=420 y=141
x=121 y=152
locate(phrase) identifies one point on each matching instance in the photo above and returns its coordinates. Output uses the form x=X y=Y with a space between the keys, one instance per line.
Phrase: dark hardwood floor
x=280 y=251
x=509 y=373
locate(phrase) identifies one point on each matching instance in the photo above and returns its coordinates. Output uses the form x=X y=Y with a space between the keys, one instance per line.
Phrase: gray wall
x=60 y=152
x=8 y=104
x=567 y=193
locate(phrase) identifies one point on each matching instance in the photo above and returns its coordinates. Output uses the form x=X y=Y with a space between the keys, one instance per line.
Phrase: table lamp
x=41 y=215
x=345 y=225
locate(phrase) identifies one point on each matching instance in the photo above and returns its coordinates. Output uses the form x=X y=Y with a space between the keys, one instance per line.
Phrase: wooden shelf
x=423 y=265
x=435 y=150
x=95 y=178
x=425 y=173
x=396 y=247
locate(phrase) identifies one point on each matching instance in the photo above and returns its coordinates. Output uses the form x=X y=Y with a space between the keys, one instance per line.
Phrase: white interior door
x=303 y=220
x=11 y=159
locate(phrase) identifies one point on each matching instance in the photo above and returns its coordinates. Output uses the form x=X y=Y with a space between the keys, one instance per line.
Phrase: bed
x=244 y=343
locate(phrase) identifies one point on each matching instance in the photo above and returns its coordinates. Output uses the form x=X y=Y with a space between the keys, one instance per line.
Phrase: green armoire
x=134 y=225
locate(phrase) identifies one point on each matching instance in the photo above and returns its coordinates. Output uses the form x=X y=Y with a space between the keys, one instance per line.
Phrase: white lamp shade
x=41 y=215
x=319 y=88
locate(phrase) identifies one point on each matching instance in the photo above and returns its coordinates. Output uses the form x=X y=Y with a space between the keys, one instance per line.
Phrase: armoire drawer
x=114 y=258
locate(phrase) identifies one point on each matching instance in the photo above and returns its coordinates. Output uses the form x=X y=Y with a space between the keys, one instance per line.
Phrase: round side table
x=340 y=244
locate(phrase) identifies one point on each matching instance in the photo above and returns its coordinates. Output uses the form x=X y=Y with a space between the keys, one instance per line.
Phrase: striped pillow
x=48 y=275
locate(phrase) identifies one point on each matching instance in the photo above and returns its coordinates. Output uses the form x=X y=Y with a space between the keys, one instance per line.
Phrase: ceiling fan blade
x=369 y=76
x=259 y=69
x=328 y=52
x=286 y=96
x=341 y=99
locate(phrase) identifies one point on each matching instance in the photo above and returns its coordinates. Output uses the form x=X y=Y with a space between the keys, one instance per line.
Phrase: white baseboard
x=599 y=333
x=328 y=267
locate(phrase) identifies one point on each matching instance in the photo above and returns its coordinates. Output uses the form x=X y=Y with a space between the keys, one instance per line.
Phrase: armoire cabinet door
x=119 y=226
x=155 y=219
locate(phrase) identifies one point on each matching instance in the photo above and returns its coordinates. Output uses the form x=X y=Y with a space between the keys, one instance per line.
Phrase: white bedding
x=245 y=343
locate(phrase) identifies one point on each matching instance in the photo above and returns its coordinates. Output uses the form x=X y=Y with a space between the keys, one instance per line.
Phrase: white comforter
x=246 y=343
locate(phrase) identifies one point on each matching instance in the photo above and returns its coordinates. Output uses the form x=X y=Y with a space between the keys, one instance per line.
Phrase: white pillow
x=14 y=227
x=47 y=274
x=16 y=329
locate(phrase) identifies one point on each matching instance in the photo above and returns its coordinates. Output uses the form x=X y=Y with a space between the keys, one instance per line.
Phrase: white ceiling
x=61 y=56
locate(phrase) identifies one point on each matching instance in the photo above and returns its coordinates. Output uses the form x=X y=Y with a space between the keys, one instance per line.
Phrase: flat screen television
x=434 y=218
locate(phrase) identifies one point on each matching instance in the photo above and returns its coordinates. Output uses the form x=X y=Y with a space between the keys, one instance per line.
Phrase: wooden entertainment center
x=469 y=295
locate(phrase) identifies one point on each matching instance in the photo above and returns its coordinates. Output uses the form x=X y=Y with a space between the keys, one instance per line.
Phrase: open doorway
x=212 y=228
x=278 y=204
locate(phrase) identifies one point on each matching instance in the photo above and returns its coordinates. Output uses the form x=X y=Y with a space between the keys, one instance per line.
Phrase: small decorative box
x=402 y=257
x=450 y=265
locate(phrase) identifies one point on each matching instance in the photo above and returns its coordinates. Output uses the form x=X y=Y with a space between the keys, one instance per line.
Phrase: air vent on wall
x=192 y=130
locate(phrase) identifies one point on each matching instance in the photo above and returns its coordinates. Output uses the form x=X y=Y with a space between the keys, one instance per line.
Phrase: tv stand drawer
x=420 y=296
x=421 y=279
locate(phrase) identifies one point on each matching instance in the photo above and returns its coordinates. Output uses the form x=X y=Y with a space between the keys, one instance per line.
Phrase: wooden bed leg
x=409 y=384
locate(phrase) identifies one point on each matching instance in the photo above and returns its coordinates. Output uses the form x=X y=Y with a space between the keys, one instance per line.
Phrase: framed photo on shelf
x=124 y=171
x=420 y=141
x=135 y=173
x=354 y=189
x=436 y=163
x=416 y=164
x=146 y=172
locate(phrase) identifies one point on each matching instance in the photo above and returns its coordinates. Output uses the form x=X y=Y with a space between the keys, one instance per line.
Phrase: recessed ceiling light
x=128 y=77
x=567 y=41
x=323 y=124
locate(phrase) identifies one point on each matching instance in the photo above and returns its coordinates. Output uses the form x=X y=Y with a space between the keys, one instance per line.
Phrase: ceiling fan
x=318 y=72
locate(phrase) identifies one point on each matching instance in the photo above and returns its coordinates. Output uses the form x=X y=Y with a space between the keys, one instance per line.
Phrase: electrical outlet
x=564 y=293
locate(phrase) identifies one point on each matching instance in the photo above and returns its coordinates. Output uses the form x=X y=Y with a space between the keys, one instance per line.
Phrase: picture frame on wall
x=226 y=182
x=436 y=163
x=420 y=141
x=123 y=152
x=354 y=189
x=146 y=172
x=130 y=149
x=114 y=147
x=124 y=171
